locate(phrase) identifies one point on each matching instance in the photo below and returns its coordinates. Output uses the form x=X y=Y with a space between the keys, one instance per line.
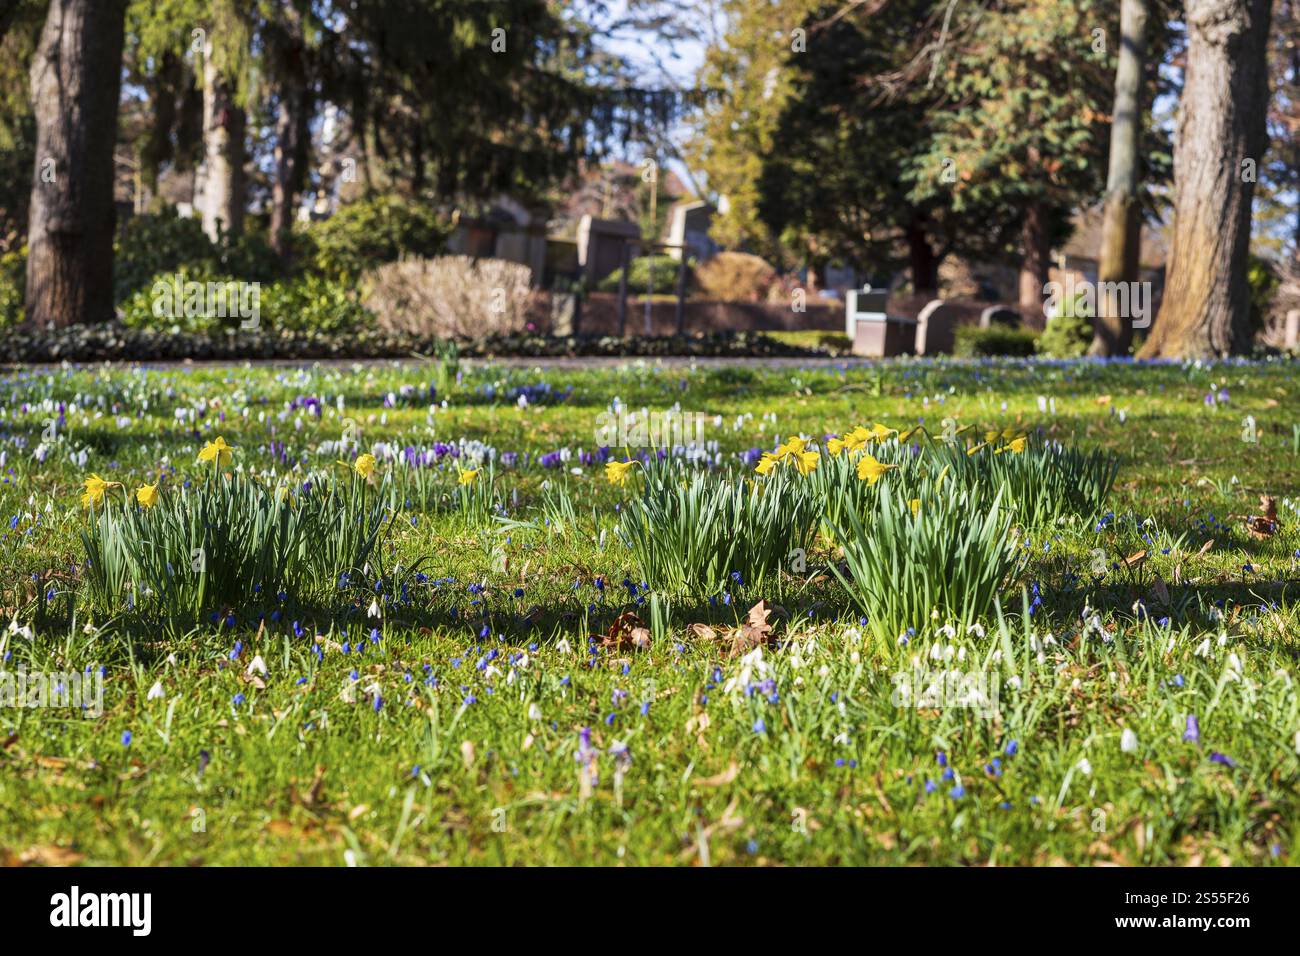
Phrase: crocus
x=1192 y=734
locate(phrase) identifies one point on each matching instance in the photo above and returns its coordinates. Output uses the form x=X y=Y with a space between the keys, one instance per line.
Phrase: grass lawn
x=448 y=704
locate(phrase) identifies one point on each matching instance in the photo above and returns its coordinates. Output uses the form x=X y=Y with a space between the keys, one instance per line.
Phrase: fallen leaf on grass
x=49 y=856
x=754 y=631
x=721 y=779
x=627 y=631
x=1263 y=525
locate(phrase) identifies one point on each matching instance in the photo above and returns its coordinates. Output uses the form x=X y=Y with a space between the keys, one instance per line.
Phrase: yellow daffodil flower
x=915 y=505
x=870 y=470
x=617 y=471
x=806 y=462
x=147 y=495
x=217 y=451
x=974 y=448
x=880 y=432
x=94 y=493
x=468 y=476
x=1017 y=445
x=791 y=448
x=766 y=464
x=942 y=475
x=364 y=465
x=836 y=445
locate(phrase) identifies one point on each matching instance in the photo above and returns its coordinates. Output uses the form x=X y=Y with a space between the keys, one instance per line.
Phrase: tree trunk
x=1035 y=265
x=1119 y=259
x=75 y=81
x=923 y=263
x=1217 y=152
x=220 y=198
x=291 y=133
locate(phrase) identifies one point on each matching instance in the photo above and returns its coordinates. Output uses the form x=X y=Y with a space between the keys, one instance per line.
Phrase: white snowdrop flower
x=947 y=631
x=1014 y=682
x=257 y=665
x=155 y=692
x=534 y=712
x=510 y=678
x=1234 y=662
x=564 y=647
x=1223 y=638
x=823 y=671
x=796 y=661
x=976 y=629
x=1084 y=767
x=1203 y=648
x=1297 y=741
x=855 y=658
x=491 y=671
x=961 y=653
x=1128 y=741
x=842 y=738
x=1075 y=684
x=936 y=652
x=20 y=630
x=373 y=610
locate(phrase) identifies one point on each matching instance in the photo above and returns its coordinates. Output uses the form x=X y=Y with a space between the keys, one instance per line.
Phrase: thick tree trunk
x=1035 y=265
x=924 y=265
x=291 y=133
x=221 y=183
x=1217 y=152
x=1121 y=233
x=75 y=81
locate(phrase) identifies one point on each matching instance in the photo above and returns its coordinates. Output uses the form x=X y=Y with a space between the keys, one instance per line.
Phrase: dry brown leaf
x=1263 y=525
x=50 y=855
x=754 y=631
x=627 y=631
x=721 y=779
x=703 y=631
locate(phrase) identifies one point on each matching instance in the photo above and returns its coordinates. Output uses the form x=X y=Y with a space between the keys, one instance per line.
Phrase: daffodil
x=94 y=493
x=766 y=463
x=806 y=462
x=217 y=451
x=468 y=476
x=1017 y=445
x=836 y=445
x=791 y=448
x=870 y=470
x=364 y=465
x=880 y=432
x=974 y=448
x=915 y=505
x=616 y=472
x=147 y=495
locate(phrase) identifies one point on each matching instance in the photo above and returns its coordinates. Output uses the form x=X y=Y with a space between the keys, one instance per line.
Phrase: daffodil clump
x=228 y=540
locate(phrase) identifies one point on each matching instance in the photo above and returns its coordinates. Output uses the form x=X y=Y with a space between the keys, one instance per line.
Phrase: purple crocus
x=1192 y=734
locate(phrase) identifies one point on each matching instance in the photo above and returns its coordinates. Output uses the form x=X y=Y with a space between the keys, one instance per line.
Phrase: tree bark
x=291 y=132
x=75 y=79
x=1035 y=265
x=1119 y=259
x=221 y=185
x=924 y=265
x=1217 y=153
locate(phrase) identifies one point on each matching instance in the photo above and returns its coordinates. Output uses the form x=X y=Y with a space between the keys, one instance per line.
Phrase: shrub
x=149 y=245
x=307 y=304
x=368 y=233
x=690 y=535
x=736 y=277
x=1069 y=333
x=13 y=285
x=450 y=296
x=639 y=276
x=970 y=341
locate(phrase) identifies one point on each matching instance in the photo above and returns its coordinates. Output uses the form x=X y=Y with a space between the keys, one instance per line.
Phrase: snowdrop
x=1128 y=741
